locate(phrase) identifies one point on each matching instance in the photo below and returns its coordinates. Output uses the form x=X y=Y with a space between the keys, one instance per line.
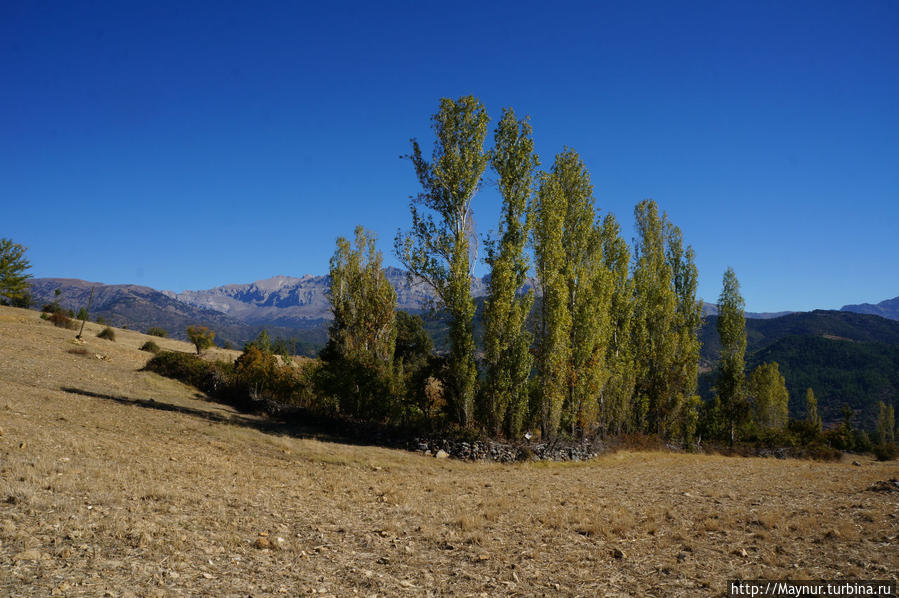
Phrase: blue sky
x=188 y=145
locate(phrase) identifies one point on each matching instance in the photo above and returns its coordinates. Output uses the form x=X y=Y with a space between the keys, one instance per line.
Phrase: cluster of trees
x=613 y=345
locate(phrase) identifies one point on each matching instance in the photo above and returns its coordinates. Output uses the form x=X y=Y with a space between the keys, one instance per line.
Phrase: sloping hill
x=138 y=307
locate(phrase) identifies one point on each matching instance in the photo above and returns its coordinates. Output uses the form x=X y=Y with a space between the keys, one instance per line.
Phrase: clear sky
x=185 y=145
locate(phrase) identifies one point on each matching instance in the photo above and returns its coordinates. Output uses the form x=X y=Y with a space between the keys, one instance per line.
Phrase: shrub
x=82 y=314
x=150 y=347
x=100 y=320
x=61 y=320
x=157 y=331
x=190 y=369
x=886 y=451
x=107 y=333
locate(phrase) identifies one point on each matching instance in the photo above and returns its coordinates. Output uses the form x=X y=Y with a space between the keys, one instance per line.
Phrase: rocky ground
x=128 y=484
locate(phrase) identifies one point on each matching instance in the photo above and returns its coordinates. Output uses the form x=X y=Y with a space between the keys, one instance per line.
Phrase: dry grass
x=98 y=496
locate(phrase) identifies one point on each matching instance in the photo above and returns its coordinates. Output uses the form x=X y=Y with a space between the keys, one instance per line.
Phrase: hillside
x=128 y=484
x=847 y=358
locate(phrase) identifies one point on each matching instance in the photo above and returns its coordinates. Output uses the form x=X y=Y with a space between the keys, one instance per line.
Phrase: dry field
x=119 y=497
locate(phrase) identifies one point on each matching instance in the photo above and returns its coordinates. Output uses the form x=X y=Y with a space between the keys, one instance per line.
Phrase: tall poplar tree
x=615 y=398
x=665 y=324
x=589 y=293
x=732 y=364
x=439 y=248
x=811 y=410
x=655 y=320
x=553 y=340
x=506 y=341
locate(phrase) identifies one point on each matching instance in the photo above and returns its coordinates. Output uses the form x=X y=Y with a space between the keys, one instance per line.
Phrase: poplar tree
x=615 y=398
x=588 y=293
x=886 y=422
x=506 y=341
x=439 y=248
x=655 y=320
x=732 y=363
x=553 y=348
x=683 y=403
x=362 y=336
x=665 y=323
x=811 y=410
x=769 y=397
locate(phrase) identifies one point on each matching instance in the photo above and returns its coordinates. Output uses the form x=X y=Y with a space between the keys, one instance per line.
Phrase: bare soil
x=129 y=484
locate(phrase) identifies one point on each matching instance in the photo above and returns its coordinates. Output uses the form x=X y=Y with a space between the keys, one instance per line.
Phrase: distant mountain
x=137 y=307
x=711 y=309
x=289 y=302
x=885 y=309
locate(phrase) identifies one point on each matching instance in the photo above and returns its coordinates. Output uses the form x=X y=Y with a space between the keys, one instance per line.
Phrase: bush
x=157 y=331
x=61 y=320
x=107 y=333
x=886 y=451
x=82 y=314
x=150 y=347
x=190 y=369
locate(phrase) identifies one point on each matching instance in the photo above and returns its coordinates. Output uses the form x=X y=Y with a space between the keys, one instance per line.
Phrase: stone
x=261 y=543
x=441 y=454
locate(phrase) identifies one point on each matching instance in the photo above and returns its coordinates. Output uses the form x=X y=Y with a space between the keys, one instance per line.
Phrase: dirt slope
x=102 y=496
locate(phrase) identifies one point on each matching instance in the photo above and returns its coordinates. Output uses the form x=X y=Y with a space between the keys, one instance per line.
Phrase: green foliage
x=360 y=351
x=190 y=369
x=82 y=314
x=157 y=331
x=506 y=341
x=768 y=397
x=886 y=451
x=732 y=364
x=616 y=410
x=107 y=333
x=666 y=321
x=554 y=334
x=14 y=274
x=150 y=347
x=886 y=423
x=439 y=246
x=589 y=294
x=811 y=411
x=417 y=367
x=201 y=337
